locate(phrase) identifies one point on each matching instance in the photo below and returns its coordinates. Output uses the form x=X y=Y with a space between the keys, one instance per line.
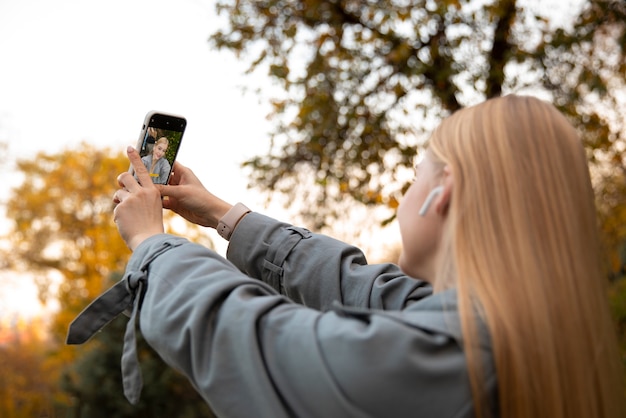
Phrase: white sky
x=77 y=70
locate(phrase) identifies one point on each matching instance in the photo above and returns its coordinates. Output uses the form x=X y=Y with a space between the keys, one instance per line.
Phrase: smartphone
x=159 y=142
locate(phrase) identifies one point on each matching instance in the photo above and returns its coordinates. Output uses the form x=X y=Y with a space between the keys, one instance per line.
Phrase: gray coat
x=298 y=324
x=161 y=171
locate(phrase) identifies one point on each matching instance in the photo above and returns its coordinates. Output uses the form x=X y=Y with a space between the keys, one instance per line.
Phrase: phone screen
x=161 y=138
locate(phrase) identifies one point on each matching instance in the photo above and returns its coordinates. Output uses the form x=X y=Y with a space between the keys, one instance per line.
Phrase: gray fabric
x=103 y=310
x=312 y=332
x=126 y=295
x=161 y=171
x=99 y=313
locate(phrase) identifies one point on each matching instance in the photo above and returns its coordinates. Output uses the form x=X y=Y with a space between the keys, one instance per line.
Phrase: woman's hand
x=186 y=196
x=138 y=213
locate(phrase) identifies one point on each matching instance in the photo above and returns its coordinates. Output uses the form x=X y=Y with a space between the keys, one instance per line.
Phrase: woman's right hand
x=186 y=196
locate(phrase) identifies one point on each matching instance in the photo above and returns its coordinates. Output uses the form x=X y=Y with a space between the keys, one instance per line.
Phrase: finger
x=140 y=169
x=177 y=171
x=170 y=195
x=167 y=202
x=128 y=182
x=167 y=190
x=120 y=195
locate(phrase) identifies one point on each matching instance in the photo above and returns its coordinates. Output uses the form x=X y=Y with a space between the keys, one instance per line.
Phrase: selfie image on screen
x=158 y=151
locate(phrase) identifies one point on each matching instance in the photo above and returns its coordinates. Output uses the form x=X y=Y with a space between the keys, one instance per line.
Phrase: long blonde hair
x=523 y=252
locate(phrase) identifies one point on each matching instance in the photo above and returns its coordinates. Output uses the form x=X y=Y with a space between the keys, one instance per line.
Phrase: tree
x=360 y=84
x=62 y=226
x=64 y=235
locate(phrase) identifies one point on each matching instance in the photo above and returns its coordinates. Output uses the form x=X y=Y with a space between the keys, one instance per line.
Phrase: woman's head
x=520 y=174
x=516 y=236
x=160 y=147
x=503 y=173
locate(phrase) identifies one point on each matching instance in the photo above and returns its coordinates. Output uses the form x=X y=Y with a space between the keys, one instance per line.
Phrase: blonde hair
x=162 y=140
x=522 y=249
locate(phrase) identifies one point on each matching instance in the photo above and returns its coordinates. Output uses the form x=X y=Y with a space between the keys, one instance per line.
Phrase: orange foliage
x=25 y=387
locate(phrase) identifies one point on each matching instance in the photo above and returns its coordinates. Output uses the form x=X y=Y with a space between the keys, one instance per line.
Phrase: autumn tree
x=63 y=232
x=359 y=84
x=64 y=236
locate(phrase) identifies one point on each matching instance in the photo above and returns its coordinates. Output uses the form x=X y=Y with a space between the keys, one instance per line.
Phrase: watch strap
x=229 y=221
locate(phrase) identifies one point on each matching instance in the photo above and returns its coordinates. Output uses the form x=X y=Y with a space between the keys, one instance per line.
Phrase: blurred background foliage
x=356 y=87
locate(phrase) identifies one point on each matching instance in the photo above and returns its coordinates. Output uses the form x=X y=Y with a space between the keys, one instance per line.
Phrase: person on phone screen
x=497 y=306
x=157 y=165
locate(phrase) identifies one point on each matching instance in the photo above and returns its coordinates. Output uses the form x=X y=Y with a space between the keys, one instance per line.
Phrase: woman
x=158 y=166
x=500 y=221
x=519 y=243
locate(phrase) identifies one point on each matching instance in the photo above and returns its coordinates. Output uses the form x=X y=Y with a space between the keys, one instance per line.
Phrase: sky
x=81 y=70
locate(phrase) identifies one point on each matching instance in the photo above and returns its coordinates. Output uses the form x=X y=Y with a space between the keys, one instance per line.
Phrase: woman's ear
x=442 y=203
x=430 y=199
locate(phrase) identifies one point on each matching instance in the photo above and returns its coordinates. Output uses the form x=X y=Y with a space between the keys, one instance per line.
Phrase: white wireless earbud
x=429 y=200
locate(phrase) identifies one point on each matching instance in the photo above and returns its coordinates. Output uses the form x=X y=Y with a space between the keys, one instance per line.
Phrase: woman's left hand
x=138 y=213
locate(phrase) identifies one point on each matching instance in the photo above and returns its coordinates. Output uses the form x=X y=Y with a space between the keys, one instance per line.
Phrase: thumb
x=167 y=190
x=167 y=193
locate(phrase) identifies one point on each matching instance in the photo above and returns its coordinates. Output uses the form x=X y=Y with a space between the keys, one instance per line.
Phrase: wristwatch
x=229 y=221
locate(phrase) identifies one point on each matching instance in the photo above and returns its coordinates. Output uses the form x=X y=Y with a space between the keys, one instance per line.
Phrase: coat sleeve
x=250 y=351
x=316 y=270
